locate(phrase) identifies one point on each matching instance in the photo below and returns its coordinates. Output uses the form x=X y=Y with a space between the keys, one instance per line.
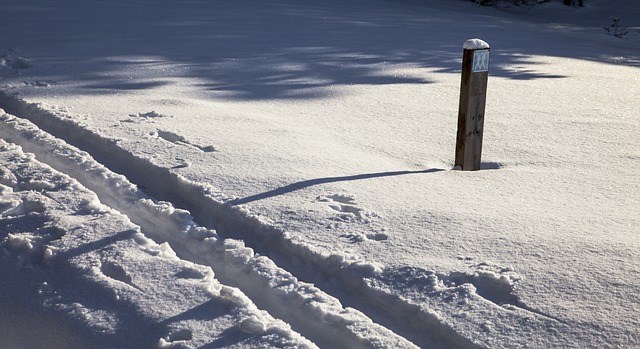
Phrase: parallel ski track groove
x=329 y=325
x=420 y=327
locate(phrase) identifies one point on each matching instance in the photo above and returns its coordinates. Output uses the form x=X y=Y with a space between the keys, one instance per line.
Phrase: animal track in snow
x=348 y=211
x=492 y=282
x=149 y=115
x=359 y=237
x=144 y=117
x=180 y=140
x=346 y=206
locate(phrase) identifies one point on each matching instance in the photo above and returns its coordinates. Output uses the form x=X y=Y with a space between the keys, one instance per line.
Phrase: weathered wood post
x=473 y=97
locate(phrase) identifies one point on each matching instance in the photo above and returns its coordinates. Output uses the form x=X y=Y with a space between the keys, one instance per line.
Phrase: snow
x=475 y=44
x=94 y=272
x=224 y=174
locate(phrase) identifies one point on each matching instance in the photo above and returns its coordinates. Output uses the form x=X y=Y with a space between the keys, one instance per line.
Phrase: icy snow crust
x=225 y=174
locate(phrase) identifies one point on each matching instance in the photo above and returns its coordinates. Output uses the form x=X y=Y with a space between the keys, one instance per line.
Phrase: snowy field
x=279 y=174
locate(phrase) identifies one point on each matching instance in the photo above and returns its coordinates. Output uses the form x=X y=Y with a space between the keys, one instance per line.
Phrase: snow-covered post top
x=475 y=44
x=473 y=95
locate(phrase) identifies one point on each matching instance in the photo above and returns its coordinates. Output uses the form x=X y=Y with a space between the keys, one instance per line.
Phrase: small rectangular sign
x=480 y=61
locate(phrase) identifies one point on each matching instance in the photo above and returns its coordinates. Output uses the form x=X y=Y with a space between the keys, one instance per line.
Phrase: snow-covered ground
x=241 y=174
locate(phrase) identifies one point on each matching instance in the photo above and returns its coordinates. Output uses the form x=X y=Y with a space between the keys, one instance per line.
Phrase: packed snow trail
x=359 y=283
x=306 y=308
x=55 y=233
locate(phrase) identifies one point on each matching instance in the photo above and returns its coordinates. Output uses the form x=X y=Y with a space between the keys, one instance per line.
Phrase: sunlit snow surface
x=224 y=174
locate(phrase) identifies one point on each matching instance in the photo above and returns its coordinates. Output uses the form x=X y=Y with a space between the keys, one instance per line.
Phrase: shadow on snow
x=277 y=50
x=317 y=181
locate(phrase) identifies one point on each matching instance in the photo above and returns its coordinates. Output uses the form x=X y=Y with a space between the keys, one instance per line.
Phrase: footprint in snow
x=346 y=210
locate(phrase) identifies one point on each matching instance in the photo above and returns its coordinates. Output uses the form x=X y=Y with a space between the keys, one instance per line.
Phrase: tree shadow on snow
x=274 y=50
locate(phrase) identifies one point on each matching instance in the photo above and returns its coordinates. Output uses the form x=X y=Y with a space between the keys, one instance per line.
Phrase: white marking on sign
x=480 y=61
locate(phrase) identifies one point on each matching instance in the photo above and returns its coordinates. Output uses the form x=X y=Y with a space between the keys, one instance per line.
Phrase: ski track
x=220 y=236
x=316 y=315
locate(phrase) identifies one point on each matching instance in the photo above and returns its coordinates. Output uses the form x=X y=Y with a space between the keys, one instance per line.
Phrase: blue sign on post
x=480 y=61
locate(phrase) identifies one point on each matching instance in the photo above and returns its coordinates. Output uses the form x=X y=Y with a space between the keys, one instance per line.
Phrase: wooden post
x=473 y=97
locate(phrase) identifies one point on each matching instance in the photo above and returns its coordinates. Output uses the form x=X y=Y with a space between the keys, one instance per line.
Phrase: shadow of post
x=311 y=182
